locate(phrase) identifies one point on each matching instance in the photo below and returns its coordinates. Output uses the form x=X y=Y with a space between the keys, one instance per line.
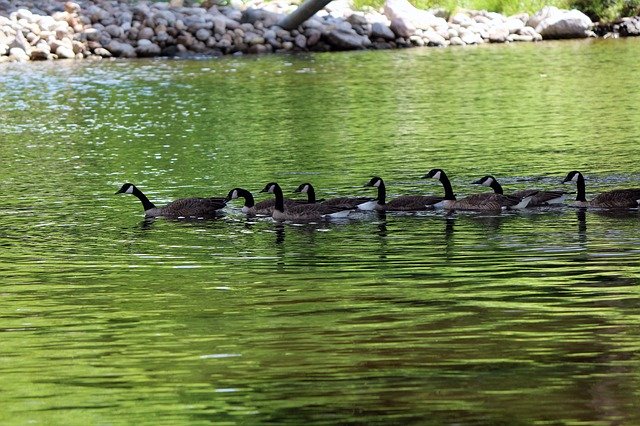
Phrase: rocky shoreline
x=53 y=29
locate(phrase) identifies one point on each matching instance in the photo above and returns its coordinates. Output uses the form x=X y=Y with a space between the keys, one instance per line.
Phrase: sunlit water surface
x=518 y=318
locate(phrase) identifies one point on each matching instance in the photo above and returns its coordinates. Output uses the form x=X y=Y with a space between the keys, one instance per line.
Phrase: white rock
x=403 y=10
x=64 y=52
x=514 y=24
x=434 y=39
x=567 y=24
x=18 y=54
x=462 y=19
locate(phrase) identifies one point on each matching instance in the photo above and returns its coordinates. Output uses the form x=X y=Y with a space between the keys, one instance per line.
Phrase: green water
x=519 y=318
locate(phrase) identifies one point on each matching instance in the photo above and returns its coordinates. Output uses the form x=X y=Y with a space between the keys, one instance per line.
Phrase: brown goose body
x=250 y=207
x=538 y=198
x=298 y=211
x=614 y=199
x=479 y=202
x=182 y=208
x=404 y=203
x=346 y=203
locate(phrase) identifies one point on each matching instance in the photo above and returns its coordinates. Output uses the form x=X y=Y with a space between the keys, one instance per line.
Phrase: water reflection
x=436 y=317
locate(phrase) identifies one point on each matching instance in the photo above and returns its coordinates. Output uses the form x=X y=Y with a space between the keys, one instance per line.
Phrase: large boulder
x=346 y=40
x=551 y=23
x=403 y=15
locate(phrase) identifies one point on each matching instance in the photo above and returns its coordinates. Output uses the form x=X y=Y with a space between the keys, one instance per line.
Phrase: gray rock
x=203 y=34
x=379 y=30
x=498 y=34
x=147 y=50
x=21 y=43
x=313 y=36
x=219 y=25
x=40 y=54
x=101 y=51
x=462 y=19
x=519 y=37
x=434 y=39
x=146 y=33
x=259 y=49
x=456 y=41
x=267 y=18
x=562 y=24
x=300 y=41
x=115 y=31
x=402 y=27
x=416 y=40
x=252 y=39
x=347 y=40
x=120 y=49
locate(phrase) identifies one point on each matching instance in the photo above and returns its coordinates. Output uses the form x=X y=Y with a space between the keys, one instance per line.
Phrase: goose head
x=434 y=174
x=375 y=182
x=487 y=180
x=572 y=176
x=233 y=194
x=304 y=187
x=270 y=187
x=127 y=188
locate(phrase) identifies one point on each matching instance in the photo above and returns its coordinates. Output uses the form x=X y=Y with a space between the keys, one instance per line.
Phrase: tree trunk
x=305 y=11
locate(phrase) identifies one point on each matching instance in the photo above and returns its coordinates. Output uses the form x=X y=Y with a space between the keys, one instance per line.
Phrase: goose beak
x=477 y=182
x=119 y=191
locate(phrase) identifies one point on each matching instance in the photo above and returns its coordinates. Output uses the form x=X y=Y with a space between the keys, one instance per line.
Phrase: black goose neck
x=146 y=204
x=311 y=194
x=497 y=188
x=580 y=185
x=277 y=192
x=248 y=197
x=382 y=193
x=446 y=184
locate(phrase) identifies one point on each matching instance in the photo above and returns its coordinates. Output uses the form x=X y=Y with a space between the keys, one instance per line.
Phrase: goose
x=315 y=211
x=615 y=199
x=344 y=202
x=263 y=208
x=402 y=203
x=477 y=201
x=538 y=198
x=184 y=207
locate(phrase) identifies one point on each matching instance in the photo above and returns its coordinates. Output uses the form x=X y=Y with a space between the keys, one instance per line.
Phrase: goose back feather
x=614 y=199
x=181 y=208
x=401 y=203
x=483 y=202
x=300 y=212
x=538 y=198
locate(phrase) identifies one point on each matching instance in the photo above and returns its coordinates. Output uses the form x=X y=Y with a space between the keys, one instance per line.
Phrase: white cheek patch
x=377 y=184
x=437 y=175
x=129 y=190
x=234 y=194
x=488 y=182
x=271 y=189
x=305 y=188
x=574 y=178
